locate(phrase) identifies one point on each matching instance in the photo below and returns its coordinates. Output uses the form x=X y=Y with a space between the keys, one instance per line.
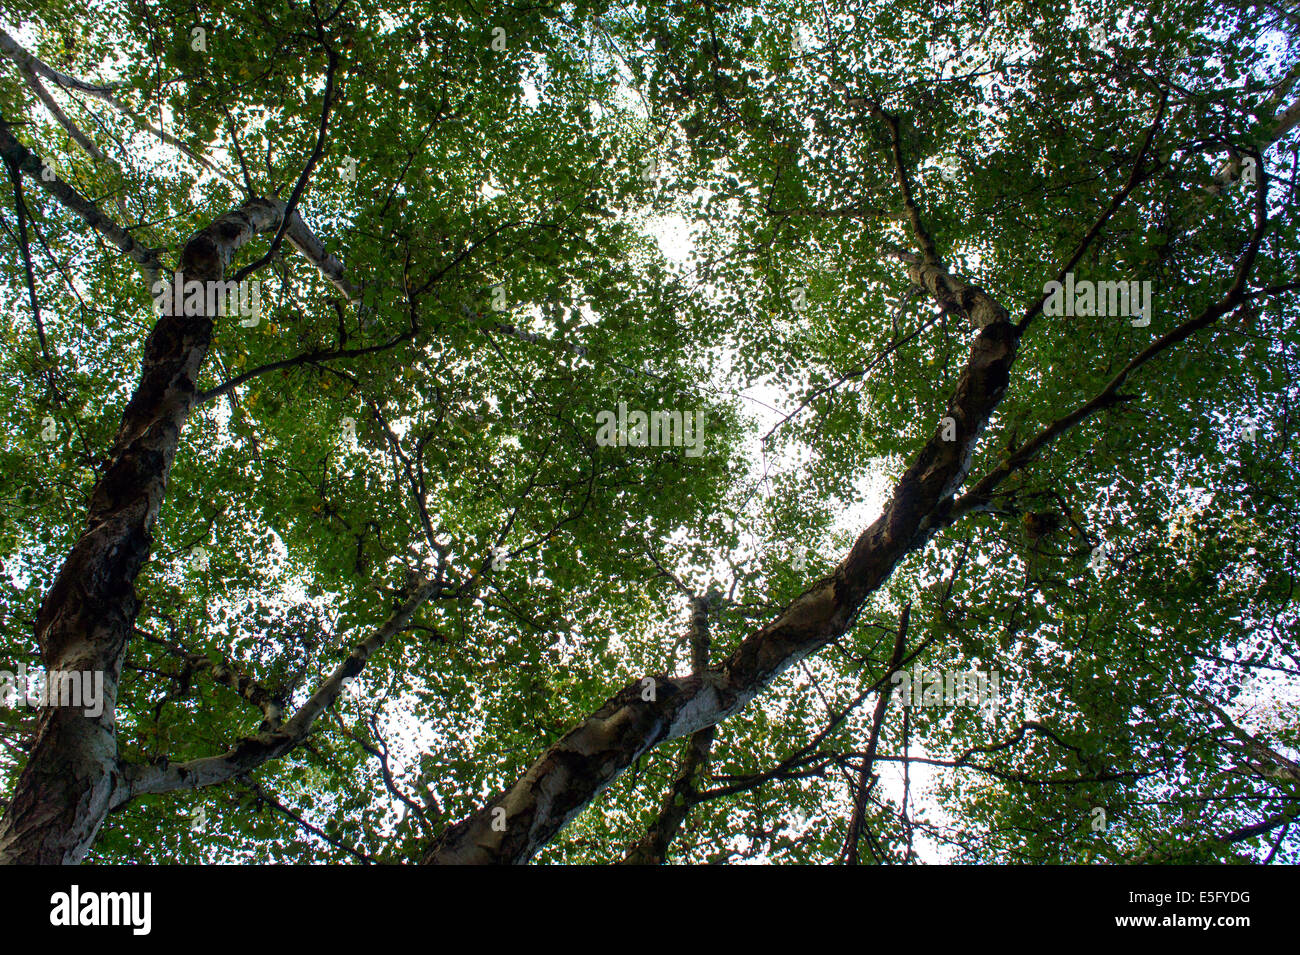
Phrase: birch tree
x=644 y=432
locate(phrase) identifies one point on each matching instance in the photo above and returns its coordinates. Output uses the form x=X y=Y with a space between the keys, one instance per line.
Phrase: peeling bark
x=957 y=295
x=85 y=621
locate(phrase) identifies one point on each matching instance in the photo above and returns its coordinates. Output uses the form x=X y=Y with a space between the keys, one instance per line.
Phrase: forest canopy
x=855 y=431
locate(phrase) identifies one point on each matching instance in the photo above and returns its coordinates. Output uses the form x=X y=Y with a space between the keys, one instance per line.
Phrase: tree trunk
x=84 y=623
x=577 y=768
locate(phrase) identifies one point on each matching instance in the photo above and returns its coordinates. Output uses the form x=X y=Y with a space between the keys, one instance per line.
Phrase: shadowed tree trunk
x=512 y=827
x=87 y=616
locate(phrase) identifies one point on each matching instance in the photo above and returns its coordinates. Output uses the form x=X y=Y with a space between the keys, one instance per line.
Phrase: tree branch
x=581 y=764
x=253 y=751
x=865 y=779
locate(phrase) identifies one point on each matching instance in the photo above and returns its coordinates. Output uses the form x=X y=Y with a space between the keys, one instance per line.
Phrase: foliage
x=538 y=173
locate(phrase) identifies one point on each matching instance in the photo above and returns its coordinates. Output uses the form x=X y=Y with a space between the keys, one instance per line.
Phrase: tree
x=394 y=560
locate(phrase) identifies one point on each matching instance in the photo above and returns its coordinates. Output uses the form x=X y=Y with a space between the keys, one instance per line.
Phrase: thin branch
x=16 y=154
x=252 y=751
x=981 y=492
x=865 y=779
